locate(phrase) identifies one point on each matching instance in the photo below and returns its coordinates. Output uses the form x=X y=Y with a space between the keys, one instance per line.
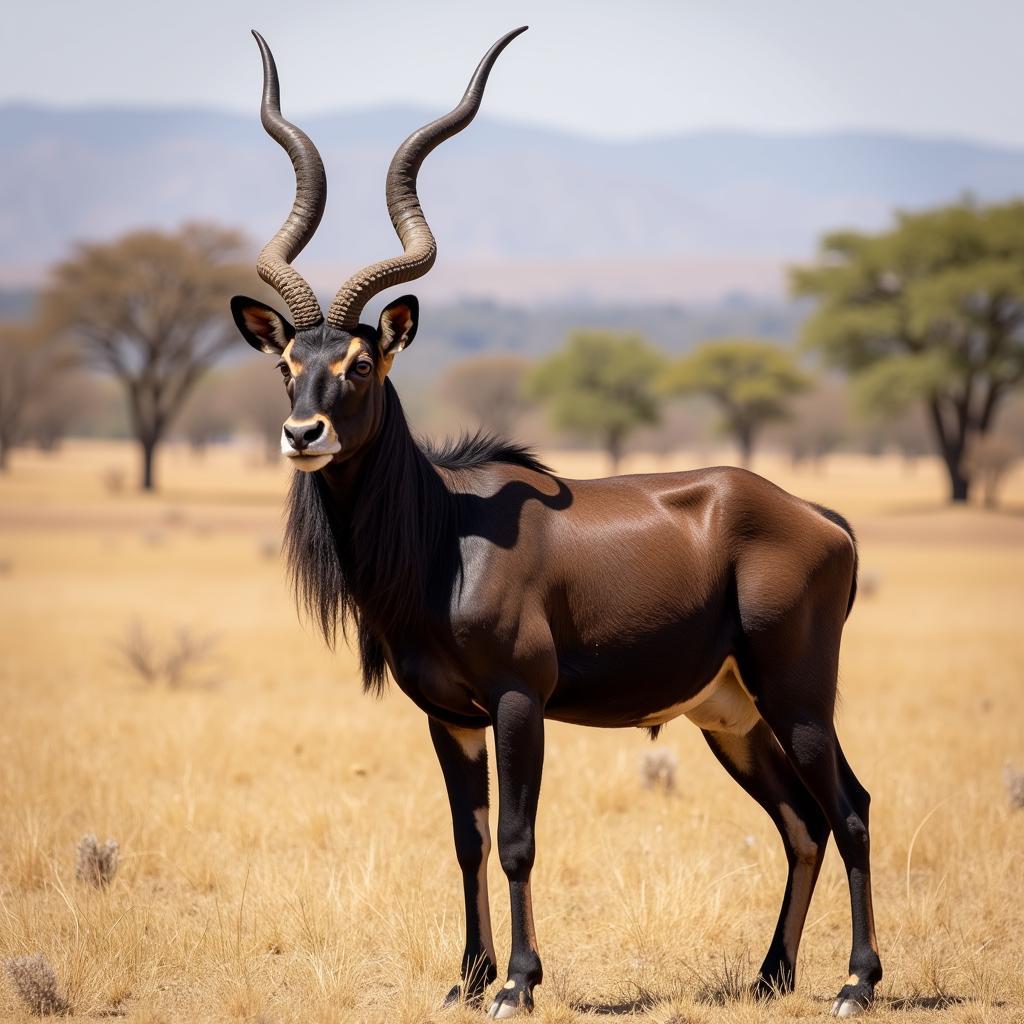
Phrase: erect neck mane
x=374 y=557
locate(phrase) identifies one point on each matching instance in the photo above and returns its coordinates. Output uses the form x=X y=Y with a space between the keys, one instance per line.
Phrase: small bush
x=36 y=984
x=96 y=864
x=172 y=666
x=1014 y=780
x=658 y=768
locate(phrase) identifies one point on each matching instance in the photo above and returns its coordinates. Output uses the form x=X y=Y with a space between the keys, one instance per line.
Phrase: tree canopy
x=601 y=384
x=931 y=311
x=151 y=308
x=749 y=379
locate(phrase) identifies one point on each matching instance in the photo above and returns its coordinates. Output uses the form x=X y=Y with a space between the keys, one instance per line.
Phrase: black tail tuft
x=843 y=523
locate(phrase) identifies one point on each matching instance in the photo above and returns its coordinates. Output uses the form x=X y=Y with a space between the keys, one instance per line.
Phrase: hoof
x=767 y=988
x=853 y=999
x=510 y=1000
x=458 y=996
x=770 y=984
x=499 y=1011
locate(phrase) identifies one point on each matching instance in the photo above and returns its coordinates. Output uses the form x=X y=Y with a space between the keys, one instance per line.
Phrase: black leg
x=810 y=743
x=758 y=764
x=463 y=757
x=518 y=718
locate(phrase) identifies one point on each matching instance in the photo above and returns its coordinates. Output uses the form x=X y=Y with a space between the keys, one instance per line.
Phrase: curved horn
x=404 y=205
x=308 y=208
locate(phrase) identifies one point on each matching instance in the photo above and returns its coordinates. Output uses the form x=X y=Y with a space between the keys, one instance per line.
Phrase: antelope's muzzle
x=309 y=443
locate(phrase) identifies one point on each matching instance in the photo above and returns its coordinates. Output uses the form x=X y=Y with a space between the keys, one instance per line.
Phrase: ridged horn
x=420 y=248
x=307 y=209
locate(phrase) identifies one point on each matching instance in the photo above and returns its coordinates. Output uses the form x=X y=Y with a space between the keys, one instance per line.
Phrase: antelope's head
x=334 y=369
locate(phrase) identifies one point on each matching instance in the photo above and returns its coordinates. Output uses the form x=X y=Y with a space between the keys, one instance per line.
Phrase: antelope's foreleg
x=519 y=746
x=463 y=757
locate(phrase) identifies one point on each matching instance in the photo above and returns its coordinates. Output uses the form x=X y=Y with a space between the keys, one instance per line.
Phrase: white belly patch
x=724 y=705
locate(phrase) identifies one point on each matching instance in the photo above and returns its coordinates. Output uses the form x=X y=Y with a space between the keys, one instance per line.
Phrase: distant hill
x=521 y=213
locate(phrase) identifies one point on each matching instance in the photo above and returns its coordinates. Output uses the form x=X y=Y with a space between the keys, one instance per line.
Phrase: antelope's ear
x=397 y=325
x=264 y=328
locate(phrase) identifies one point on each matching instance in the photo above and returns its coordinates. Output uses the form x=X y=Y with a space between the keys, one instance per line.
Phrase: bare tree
x=490 y=389
x=30 y=365
x=151 y=309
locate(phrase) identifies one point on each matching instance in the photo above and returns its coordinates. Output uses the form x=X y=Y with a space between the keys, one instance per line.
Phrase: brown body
x=629 y=595
x=499 y=595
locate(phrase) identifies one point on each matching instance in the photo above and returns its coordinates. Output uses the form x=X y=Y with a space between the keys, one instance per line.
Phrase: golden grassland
x=285 y=841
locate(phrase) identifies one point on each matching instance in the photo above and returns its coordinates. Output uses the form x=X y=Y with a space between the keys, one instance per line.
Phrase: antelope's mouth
x=310 y=462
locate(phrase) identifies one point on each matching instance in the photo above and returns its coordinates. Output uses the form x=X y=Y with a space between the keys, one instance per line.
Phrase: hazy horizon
x=927 y=69
x=852 y=130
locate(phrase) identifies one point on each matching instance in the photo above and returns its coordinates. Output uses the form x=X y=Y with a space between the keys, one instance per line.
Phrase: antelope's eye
x=285 y=372
x=362 y=367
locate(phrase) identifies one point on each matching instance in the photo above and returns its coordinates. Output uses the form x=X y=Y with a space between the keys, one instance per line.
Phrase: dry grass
x=285 y=850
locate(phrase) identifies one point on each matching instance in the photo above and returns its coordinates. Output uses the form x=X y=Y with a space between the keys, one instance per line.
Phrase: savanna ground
x=285 y=841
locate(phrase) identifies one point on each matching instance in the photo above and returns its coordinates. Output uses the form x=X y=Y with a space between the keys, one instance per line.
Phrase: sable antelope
x=496 y=593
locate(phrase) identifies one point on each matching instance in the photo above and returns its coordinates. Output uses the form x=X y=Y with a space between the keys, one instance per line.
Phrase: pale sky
x=611 y=68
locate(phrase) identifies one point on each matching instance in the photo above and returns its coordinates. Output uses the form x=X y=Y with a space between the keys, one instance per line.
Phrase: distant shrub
x=658 y=768
x=36 y=984
x=270 y=548
x=113 y=480
x=96 y=864
x=173 y=666
x=1014 y=780
x=868 y=582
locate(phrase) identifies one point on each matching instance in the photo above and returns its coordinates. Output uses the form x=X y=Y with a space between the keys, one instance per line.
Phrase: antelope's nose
x=303 y=434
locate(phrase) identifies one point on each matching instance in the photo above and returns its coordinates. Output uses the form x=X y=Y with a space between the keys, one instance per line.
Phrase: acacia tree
x=151 y=309
x=930 y=312
x=750 y=380
x=30 y=367
x=601 y=384
x=490 y=389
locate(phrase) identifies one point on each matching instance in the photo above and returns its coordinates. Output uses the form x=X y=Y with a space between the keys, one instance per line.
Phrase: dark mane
x=473 y=450
x=372 y=565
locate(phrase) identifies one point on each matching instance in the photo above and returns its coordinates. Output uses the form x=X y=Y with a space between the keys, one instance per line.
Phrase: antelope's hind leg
x=756 y=761
x=463 y=757
x=808 y=737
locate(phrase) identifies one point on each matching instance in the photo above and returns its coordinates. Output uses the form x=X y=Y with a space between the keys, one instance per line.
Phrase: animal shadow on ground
x=727 y=994
x=623 y=1008
x=918 y=1002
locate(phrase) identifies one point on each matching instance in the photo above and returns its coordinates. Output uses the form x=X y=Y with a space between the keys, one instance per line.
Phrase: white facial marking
x=315 y=455
x=309 y=463
x=723 y=706
x=510 y=984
